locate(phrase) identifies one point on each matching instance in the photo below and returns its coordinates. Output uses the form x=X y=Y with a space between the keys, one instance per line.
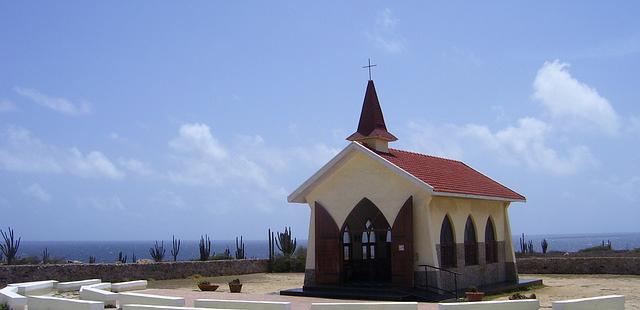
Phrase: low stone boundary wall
x=125 y=272
x=580 y=265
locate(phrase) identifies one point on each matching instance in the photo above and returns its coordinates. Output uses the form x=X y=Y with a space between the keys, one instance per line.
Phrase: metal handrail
x=453 y=273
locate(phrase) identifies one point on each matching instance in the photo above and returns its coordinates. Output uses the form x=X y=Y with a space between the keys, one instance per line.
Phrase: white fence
x=74 y=285
x=147 y=307
x=94 y=294
x=525 y=304
x=366 y=306
x=55 y=303
x=241 y=304
x=9 y=296
x=611 y=302
x=148 y=299
x=129 y=286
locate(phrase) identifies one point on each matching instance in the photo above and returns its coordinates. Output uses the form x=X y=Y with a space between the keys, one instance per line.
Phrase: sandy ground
x=265 y=287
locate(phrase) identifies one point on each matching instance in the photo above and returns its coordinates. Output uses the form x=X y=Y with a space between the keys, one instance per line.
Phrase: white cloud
x=571 y=102
x=36 y=191
x=135 y=166
x=525 y=144
x=6 y=105
x=92 y=165
x=538 y=143
x=384 y=34
x=20 y=151
x=248 y=167
x=197 y=138
x=62 y=105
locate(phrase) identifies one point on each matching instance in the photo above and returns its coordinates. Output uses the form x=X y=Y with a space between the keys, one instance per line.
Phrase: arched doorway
x=366 y=244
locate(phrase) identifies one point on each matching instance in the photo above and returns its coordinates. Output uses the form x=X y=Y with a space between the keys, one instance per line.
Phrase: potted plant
x=207 y=286
x=473 y=294
x=235 y=286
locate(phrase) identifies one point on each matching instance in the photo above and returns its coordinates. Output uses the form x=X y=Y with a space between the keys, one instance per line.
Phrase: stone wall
x=580 y=265
x=122 y=272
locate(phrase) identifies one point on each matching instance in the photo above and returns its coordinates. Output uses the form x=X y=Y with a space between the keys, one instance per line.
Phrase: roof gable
x=438 y=176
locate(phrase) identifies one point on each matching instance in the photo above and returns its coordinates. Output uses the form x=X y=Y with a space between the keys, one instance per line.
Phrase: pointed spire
x=371 y=125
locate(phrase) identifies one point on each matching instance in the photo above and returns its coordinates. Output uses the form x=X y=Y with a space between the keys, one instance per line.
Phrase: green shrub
x=295 y=263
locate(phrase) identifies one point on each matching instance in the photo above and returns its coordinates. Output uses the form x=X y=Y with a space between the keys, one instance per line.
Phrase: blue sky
x=139 y=120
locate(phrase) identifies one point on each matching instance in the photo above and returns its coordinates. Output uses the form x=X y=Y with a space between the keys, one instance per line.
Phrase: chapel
x=390 y=217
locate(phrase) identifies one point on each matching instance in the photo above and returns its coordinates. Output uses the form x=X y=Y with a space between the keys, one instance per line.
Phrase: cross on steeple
x=369 y=67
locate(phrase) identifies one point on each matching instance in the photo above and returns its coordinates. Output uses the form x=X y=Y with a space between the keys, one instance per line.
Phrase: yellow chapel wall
x=459 y=209
x=359 y=177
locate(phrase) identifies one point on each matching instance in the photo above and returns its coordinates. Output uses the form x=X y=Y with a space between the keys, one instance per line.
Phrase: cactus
x=157 y=252
x=175 y=249
x=530 y=246
x=45 y=256
x=10 y=246
x=285 y=243
x=226 y=254
x=122 y=258
x=134 y=259
x=240 y=249
x=92 y=259
x=205 y=248
x=544 y=245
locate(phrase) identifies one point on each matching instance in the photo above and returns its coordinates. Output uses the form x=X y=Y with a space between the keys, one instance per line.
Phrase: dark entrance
x=366 y=245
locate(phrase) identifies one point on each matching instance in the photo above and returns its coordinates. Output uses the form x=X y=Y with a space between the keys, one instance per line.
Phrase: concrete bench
x=609 y=302
x=148 y=299
x=95 y=294
x=148 y=307
x=524 y=304
x=34 y=288
x=366 y=306
x=129 y=286
x=55 y=303
x=241 y=304
x=74 y=285
x=9 y=296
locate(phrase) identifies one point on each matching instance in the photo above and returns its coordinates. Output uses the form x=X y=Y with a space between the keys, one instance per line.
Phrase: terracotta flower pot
x=235 y=288
x=474 y=296
x=208 y=287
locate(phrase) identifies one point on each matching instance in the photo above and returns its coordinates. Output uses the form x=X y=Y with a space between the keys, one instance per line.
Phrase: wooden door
x=402 y=246
x=328 y=251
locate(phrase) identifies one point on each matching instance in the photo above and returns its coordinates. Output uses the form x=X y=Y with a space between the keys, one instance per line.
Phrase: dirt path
x=265 y=287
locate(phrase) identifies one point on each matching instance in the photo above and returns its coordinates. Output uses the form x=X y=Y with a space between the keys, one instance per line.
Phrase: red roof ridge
x=486 y=186
x=427 y=155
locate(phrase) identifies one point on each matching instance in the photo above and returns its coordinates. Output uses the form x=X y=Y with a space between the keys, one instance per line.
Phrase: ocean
x=107 y=251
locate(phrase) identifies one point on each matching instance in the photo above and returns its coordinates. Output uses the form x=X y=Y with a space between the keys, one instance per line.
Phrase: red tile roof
x=449 y=176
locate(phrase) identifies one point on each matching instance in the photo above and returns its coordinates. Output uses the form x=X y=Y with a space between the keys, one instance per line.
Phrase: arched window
x=470 y=243
x=490 y=244
x=346 y=244
x=368 y=241
x=447 y=244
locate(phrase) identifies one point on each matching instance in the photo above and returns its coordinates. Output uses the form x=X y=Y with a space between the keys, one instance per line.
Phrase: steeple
x=372 y=130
